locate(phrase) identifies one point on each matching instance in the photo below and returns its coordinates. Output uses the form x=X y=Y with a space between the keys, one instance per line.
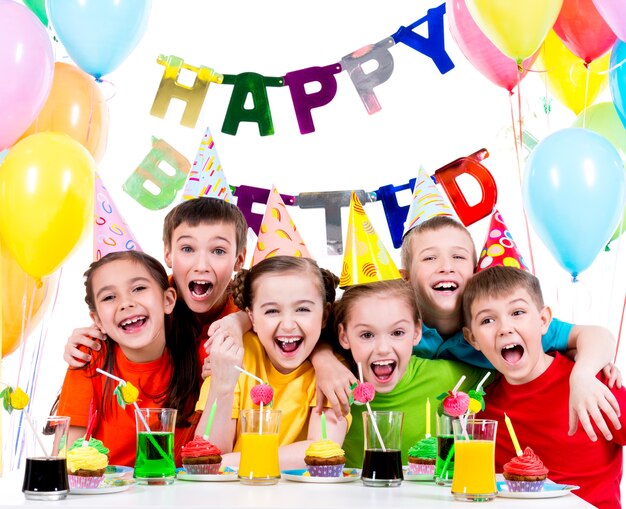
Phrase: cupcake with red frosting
x=201 y=457
x=526 y=472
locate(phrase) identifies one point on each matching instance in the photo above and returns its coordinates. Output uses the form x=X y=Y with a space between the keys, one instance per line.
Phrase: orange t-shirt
x=117 y=430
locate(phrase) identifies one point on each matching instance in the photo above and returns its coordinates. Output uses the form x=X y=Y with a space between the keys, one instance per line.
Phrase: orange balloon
x=76 y=107
x=18 y=291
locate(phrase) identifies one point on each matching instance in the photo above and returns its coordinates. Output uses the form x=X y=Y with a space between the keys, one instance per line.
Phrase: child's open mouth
x=383 y=370
x=512 y=353
x=445 y=286
x=200 y=289
x=288 y=345
x=133 y=324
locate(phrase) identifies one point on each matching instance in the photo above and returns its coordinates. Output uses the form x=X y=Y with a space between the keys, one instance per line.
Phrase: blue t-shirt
x=433 y=346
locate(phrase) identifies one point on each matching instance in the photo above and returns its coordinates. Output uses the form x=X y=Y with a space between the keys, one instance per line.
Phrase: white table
x=284 y=495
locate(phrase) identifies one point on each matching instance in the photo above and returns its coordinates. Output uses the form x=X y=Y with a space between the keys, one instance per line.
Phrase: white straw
x=105 y=373
x=380 y=438
x=249 y=374
x=32 y=426
x=458 y=384
x=360 y=372
x=261 y=419
x=480 y=384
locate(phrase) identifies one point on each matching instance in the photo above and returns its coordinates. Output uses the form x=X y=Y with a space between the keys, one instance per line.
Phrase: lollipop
x=262 y=394
x=364 y=392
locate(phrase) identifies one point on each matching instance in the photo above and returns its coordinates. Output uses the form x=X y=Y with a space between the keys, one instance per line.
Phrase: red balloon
x=583 y=30
x=480 y=51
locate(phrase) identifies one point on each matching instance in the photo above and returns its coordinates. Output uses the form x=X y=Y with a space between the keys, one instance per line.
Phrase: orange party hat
x=278 y=234
x=427 y=202
x=365 y=259
x=499 y=248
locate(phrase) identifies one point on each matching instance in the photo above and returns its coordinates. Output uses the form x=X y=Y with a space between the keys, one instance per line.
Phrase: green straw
x=207 y=429
x=444 y=469
x=324 y=436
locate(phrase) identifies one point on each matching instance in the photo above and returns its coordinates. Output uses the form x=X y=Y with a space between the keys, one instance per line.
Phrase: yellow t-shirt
x=294 y=393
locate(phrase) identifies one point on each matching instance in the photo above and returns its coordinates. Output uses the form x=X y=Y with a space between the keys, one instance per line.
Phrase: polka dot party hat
x=278 y=234
x=365 y=259
x=499 y=248
x=427 y=202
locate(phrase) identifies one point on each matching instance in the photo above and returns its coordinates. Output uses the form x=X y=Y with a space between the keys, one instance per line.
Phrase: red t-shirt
x=117 y=430
x=539 y=412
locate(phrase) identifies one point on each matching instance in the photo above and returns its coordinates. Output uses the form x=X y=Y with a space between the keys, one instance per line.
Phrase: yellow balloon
x=516 y=27
x=46 y=200
x=24 y=302
x=566 y=74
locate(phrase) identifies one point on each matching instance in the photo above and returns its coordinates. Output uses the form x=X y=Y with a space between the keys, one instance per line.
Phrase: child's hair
x=204 y=210
x=397 y=288
x=184 y=386
x=434 y=224
x=499 y=281
x=243 y=283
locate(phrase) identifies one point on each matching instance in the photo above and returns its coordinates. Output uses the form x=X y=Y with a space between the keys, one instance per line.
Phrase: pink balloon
x=27 y=67
x=480 y=51
x=614 y=13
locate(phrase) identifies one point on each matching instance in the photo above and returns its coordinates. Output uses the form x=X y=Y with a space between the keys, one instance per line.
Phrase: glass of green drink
x=154 y=463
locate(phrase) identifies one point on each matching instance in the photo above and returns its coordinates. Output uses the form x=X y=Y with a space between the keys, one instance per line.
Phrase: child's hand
x=590 y=399
x=85 y=336
x=206 y=366
x=613 y=376
x=333 y=381
x=226 y=353
x=233 y=325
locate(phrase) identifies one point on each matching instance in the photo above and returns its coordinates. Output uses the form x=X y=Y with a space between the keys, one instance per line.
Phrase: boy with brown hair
x=506 y=318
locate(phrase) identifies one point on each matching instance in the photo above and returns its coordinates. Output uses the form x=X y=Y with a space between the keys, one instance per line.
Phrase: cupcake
x=325 y=458
x=422 y=457
x=201 y=457
x=525 y=472
x=93 y=442
x=85 y=467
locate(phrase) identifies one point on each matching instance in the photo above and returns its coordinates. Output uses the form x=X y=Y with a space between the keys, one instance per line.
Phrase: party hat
x=365 y=259
x=499 y=248
x=110 y=231
x=206 y=176
x=278 y=234
x=427 y=202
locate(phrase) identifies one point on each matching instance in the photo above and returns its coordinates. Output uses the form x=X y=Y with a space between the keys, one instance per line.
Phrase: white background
x=426 y=118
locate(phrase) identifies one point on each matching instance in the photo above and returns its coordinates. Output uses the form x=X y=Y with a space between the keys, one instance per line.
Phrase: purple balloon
x=27 y=68
x=614 y=13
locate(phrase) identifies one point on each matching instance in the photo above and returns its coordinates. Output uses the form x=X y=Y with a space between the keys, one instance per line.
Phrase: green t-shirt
x=423 y=379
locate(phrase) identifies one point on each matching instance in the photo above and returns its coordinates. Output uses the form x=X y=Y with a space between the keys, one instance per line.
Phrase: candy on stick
x=509 y=426
x=369 y=411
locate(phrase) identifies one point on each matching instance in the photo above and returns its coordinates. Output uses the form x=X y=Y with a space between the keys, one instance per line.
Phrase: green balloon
x=39 y=8
x=603 y=119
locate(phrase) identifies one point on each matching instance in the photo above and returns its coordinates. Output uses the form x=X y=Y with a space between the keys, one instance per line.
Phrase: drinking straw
x=249 y=374
x=261 y=417
x=427 y=417
x=323 y=419
x=369 y=411
x=480 y=384
x=509 y=426
x=444 y=468
x=32 y=427
x=458 y=385
x=207 y=428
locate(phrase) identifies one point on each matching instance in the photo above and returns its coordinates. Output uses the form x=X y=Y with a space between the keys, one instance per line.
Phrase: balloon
x=21 y=296
x=574 y=190
x=583 y=31
x=617 y=79
x=99 y=34
x=39 y=8
x=27 y=66
x=567 y=74
x=76 y=107
x=46 y=200
x=480 y=51
x=517 y=28
x=614 y=13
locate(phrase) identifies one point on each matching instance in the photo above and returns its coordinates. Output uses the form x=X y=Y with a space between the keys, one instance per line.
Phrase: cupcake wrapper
x=326 y=470
x=525 y=485
x=77 y=481
x=203 y=468
x=421 y=468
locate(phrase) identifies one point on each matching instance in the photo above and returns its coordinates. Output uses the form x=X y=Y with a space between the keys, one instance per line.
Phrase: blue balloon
x=574 y=192
x=617 y=79
x=99 y=34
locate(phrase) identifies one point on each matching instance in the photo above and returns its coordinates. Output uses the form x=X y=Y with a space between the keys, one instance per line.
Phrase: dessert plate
x=228 y=474
x=549 y=490
x=106 y=486
x=302 y=475
x=115 y=471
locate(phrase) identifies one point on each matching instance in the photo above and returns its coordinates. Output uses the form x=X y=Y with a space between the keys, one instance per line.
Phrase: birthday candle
x=427 y=417
x=509 y=425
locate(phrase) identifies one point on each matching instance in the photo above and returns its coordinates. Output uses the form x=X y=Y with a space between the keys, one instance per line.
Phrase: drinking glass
x=154 y=463
x=45 y=475
x=444 y=464
x=474 y=469
x=382 y=463
x=259 y=447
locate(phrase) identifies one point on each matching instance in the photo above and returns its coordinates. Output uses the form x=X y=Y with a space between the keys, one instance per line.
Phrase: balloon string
x=100 y=80
x=586 y=103
x=621 y=325
x=25 y=321
x=616 y=66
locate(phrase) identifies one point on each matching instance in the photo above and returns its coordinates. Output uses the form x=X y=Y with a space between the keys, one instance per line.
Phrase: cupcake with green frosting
x=422 y=457
x=92 y=442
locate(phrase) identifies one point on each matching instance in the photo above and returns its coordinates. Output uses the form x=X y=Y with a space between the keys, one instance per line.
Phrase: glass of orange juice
x=259 y=447
x=474 y=467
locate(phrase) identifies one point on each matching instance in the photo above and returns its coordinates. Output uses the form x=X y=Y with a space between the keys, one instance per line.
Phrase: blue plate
x=113 y=471
x=549 y=490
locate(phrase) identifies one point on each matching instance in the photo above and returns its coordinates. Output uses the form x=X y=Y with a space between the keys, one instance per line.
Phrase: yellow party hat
x=278 y=234
x=365 y=259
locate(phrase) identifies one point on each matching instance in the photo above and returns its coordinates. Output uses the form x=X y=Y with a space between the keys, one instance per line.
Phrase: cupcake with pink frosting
x=201 y=457
x=525 y=473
